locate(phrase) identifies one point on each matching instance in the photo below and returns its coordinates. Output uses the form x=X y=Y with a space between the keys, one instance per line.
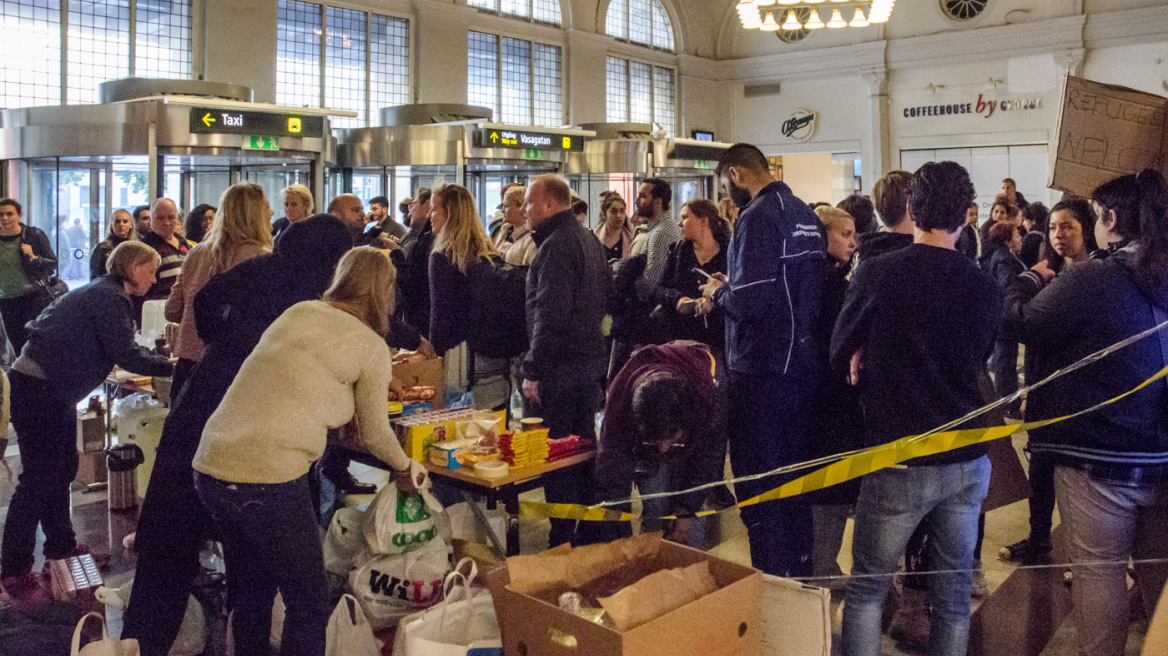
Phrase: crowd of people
x=760 y=328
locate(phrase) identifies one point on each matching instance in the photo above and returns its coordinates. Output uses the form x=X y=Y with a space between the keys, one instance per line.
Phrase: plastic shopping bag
x=463 y=624
x=107 y=646
x=397 y=522
x=344 y=542
x=349 y=632
x=389 y=587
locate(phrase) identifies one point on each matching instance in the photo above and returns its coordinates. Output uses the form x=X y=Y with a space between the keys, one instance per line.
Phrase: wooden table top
x=520 y=475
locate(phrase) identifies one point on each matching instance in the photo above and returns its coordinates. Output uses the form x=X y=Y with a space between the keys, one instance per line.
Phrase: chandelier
x=773 y=15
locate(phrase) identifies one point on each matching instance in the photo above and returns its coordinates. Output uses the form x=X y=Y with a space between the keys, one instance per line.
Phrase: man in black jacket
x=914 y=332
x=564 y=369
x=412 y=259
x=890 y=195
x=26 y=262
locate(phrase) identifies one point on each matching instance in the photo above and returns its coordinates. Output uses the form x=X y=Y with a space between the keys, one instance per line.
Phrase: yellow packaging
x=418 y=432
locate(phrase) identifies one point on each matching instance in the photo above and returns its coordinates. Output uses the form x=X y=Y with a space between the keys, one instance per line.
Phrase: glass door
x=69 y=200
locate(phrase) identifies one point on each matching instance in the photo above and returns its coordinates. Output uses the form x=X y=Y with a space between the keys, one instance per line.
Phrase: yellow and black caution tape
x=855 y=464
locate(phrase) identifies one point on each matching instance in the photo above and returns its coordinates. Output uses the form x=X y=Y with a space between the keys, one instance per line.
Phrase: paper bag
x=657 y=594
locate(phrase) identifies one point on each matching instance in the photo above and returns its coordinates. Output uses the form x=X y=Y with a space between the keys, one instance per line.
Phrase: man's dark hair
x=138 y=210
x=12 y=202
x=940 y=196
x=579 y=206
x=380 y=200
x=663 y=403
x=890 y=194
x=742 y=155
x=659 y=188
x=423 y=196
x=862 y=210
x=1038 y=216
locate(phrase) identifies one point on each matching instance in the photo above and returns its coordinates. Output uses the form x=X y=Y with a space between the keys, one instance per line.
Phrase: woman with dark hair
x=1070 y=241
x=1035 y=218
x=121 y=228
x=700 y=254
x=71 y=348
x=862 y=211
x=1004 y=242
x=198 y=223
x=614 y=232
x=1001 y=211
x=232 y=312
x=1111 y=465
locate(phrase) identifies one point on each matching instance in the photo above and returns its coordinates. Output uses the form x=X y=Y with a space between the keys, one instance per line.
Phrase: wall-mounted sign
x=528 y=139
x=208 y=120
x=800 y=125
x=985 y=107
x=702 y=135
x=260 y=142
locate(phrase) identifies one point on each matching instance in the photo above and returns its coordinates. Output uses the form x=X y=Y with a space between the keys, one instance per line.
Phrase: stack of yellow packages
x=525 y=447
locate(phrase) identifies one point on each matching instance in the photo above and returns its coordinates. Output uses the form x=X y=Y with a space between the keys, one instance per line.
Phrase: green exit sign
x=702 y=164
x=532 y=153
x=260 y=142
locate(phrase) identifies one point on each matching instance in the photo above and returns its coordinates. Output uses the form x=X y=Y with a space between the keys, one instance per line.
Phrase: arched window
x=640 y=21
x=542 y=11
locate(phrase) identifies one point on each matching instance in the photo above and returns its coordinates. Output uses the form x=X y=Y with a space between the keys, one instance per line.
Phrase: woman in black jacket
x=232 y=311
x=121 y=228
x=24 y=292
x=1111 y=465
x=72 y=346
x=1003 y=266
x=700 y=254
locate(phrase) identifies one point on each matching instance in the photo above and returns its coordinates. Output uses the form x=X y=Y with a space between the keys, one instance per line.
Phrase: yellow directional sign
x=494 y=137
x=207 y=119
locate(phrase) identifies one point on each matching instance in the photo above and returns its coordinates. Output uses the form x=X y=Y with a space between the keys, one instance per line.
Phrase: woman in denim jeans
x=1111 y=465
x=321 y=364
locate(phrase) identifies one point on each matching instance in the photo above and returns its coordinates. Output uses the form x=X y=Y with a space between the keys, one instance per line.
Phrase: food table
x=506 y=488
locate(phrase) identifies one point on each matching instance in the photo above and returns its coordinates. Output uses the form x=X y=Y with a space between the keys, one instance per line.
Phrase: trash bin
x=122 y=461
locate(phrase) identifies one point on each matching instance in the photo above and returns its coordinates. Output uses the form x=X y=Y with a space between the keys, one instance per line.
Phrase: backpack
x=500 y=309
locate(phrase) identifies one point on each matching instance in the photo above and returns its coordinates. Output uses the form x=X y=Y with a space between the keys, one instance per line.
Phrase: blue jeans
x=271 y=542
x=892 y=503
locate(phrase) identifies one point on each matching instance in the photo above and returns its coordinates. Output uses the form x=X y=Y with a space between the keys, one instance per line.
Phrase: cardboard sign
x=1105 y=131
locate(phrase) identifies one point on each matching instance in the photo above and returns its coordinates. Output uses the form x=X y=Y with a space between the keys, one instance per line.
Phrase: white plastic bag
x=396 y=522
x=389 y=587
x=349 y=632
x=107 y=646
x=464 y=623
x=344 y=542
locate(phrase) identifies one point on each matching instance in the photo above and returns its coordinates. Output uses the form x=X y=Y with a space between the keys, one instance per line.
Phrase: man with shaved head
x=164 y=238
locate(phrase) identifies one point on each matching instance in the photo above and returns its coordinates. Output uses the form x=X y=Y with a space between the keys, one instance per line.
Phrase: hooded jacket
x=875 y=244
x=775 y=267
x=1084 y=309
x=618 y=450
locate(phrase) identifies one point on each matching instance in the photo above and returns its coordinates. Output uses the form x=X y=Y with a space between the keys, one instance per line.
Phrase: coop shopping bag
x=463 y=624
x=397 y=522
x=349 y=633
x=390 y=587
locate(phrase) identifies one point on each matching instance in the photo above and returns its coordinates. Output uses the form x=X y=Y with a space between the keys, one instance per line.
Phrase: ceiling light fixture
x=766 y=14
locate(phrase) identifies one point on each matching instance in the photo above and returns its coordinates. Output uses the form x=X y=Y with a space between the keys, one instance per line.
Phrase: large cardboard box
x=1106 y=131
x=90 y=431
x=726 y=622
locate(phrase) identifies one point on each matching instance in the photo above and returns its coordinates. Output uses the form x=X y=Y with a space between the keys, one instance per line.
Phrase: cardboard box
x=90 y=431
x=421 y=373
x=796 y=618
x=76 y=580
x=724 y=623
x=1106 y=131
x=91 y=467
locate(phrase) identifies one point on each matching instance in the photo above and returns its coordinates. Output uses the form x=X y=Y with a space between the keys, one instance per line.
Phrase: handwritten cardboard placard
x=1105 y=131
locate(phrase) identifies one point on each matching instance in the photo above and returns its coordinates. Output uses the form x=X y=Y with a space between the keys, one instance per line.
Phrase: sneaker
x=1024 y=550
x=21 y=586
x=352 y=486
x=979 y=588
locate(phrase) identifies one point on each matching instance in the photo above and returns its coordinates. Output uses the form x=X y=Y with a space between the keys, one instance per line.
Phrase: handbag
x=107 y=646
x=463 y=624
x=50 y=288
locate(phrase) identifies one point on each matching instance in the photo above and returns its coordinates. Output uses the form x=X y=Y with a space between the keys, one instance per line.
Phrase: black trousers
x=46 y=429
x=1042 y=499
x=568 y=408
x=769 y=424
x=17 y=312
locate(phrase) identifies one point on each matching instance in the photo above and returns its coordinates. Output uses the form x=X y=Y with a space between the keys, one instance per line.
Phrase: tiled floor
x=1026 y=613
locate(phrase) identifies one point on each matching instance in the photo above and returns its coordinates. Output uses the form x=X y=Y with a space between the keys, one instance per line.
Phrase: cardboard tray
x=724 y=623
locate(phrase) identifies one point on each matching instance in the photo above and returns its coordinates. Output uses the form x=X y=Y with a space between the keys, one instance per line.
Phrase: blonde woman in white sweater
x=319 y=365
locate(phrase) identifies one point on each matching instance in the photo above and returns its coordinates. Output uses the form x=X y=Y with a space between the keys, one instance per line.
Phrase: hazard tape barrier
x=843 y=467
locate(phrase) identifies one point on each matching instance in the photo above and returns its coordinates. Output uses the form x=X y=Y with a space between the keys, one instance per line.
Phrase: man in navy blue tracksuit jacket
x=776 y=264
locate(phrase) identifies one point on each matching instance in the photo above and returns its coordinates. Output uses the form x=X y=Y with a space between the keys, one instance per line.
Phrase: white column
x=876 y=149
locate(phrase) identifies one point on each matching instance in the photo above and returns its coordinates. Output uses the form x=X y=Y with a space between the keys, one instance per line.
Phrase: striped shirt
x=169 y=267
x=663 y=233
